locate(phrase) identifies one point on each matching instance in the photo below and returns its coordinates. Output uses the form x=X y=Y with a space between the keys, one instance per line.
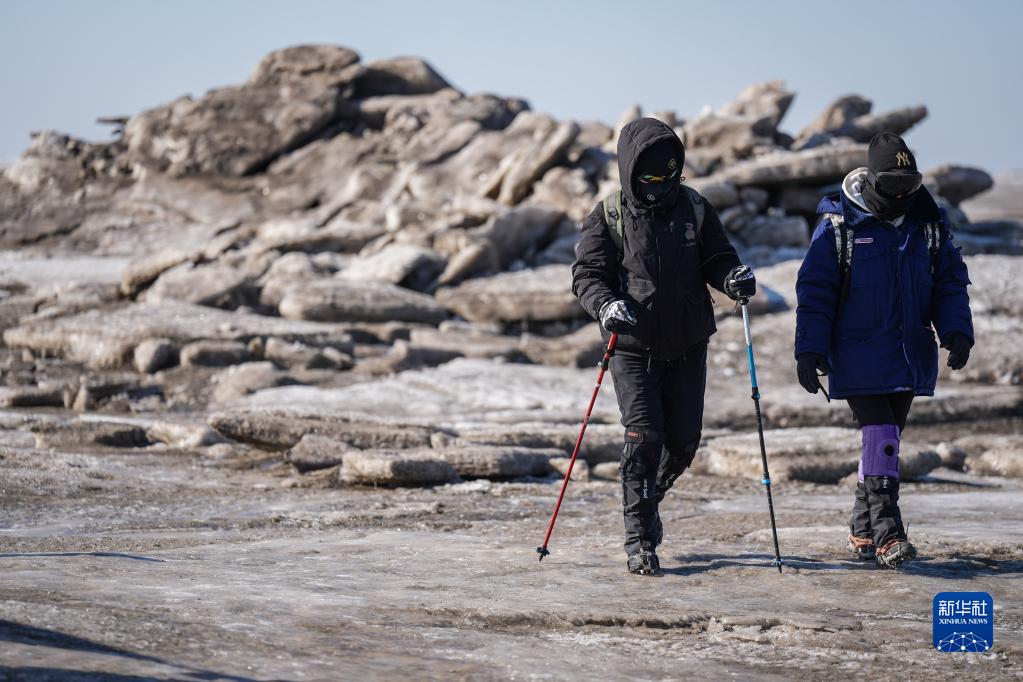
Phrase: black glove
x=807 y=365
x=958 y=346
x=740 y=283
x=617 y=317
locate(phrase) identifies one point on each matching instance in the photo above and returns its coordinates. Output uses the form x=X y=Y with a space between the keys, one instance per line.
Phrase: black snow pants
x=876 y=513
x=662 y=412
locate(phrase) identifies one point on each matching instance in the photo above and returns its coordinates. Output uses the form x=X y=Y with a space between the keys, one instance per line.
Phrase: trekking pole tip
x=542 y=551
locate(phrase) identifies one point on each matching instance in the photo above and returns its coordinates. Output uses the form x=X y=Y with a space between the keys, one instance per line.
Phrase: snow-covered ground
x=163 y=564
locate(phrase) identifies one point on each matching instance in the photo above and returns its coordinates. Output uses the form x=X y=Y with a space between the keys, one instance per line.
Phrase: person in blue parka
x=880 y=278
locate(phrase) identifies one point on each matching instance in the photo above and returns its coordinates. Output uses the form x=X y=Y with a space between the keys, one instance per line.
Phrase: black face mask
x=656 y=174
x=885 y=207
x=653 y=193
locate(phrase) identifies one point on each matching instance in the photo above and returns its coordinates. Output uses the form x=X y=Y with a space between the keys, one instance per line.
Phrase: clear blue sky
x=64 y=63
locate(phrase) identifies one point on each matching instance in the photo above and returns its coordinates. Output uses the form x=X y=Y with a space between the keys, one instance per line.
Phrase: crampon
x=644 y=562
x=895 y=552
x=862 y=548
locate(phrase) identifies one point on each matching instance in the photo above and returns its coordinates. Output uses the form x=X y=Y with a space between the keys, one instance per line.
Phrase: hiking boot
x=895 y=552
x=644 y=562
x=862 y=548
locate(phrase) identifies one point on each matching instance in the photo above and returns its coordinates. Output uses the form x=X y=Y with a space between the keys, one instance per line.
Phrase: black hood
x=637 y=136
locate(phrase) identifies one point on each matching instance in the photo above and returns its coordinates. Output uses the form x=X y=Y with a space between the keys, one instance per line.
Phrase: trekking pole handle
x=749 y=348
x=745 y=320
x=609 y=351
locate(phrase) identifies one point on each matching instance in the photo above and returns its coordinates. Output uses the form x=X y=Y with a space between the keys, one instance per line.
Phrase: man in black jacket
x=649 y=286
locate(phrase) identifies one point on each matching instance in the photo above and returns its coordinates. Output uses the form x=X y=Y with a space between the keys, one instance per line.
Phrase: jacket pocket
x=925 y=355
x=639 y=289
x=869 y=267
x=870 y=283
x=857 y=366
x=922 y=267
x=923 y=285
x=639 y=292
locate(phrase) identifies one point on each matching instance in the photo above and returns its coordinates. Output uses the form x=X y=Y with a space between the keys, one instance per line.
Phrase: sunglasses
x=895 y=185
x=653 y=179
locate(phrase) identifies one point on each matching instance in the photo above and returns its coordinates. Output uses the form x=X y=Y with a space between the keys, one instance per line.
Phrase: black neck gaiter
x=658 y=195
x=886 y=208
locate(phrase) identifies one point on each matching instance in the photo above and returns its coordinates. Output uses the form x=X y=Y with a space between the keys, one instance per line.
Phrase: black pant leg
x=885 y=515
x=871 y=409
x=638 y=387
x=682 y=389
x=867 y=409
x=900 y=404
x=888 y=408
x=859 y=522
x=881 y=492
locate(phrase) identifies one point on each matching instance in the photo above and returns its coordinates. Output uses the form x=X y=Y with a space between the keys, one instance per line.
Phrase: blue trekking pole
x=760 y=427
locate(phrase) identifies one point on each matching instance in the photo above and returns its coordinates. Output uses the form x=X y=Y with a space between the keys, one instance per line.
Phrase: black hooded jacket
x=665 y=266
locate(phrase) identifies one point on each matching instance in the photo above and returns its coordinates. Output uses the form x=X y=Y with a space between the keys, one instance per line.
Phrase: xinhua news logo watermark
x=963 y=621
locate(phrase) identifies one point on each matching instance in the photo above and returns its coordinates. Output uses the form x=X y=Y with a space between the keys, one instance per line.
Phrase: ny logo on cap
x=902 y=159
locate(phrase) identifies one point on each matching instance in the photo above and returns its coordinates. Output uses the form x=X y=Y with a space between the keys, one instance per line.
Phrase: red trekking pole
x=542 y=550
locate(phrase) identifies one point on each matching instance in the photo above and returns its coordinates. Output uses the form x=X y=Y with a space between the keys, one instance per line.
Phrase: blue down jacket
x=883 y=339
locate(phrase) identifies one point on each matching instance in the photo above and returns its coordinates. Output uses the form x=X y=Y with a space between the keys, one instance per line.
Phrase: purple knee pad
x=880 y=451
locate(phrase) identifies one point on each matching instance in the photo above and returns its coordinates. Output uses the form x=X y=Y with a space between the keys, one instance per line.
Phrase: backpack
x=845 y=243
x=615 y=218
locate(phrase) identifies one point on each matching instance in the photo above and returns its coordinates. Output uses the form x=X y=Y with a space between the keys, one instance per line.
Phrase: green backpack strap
x=699 y=206
x=613 y=217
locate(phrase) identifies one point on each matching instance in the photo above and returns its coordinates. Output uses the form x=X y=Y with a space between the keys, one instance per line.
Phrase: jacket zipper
x=657 y=284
